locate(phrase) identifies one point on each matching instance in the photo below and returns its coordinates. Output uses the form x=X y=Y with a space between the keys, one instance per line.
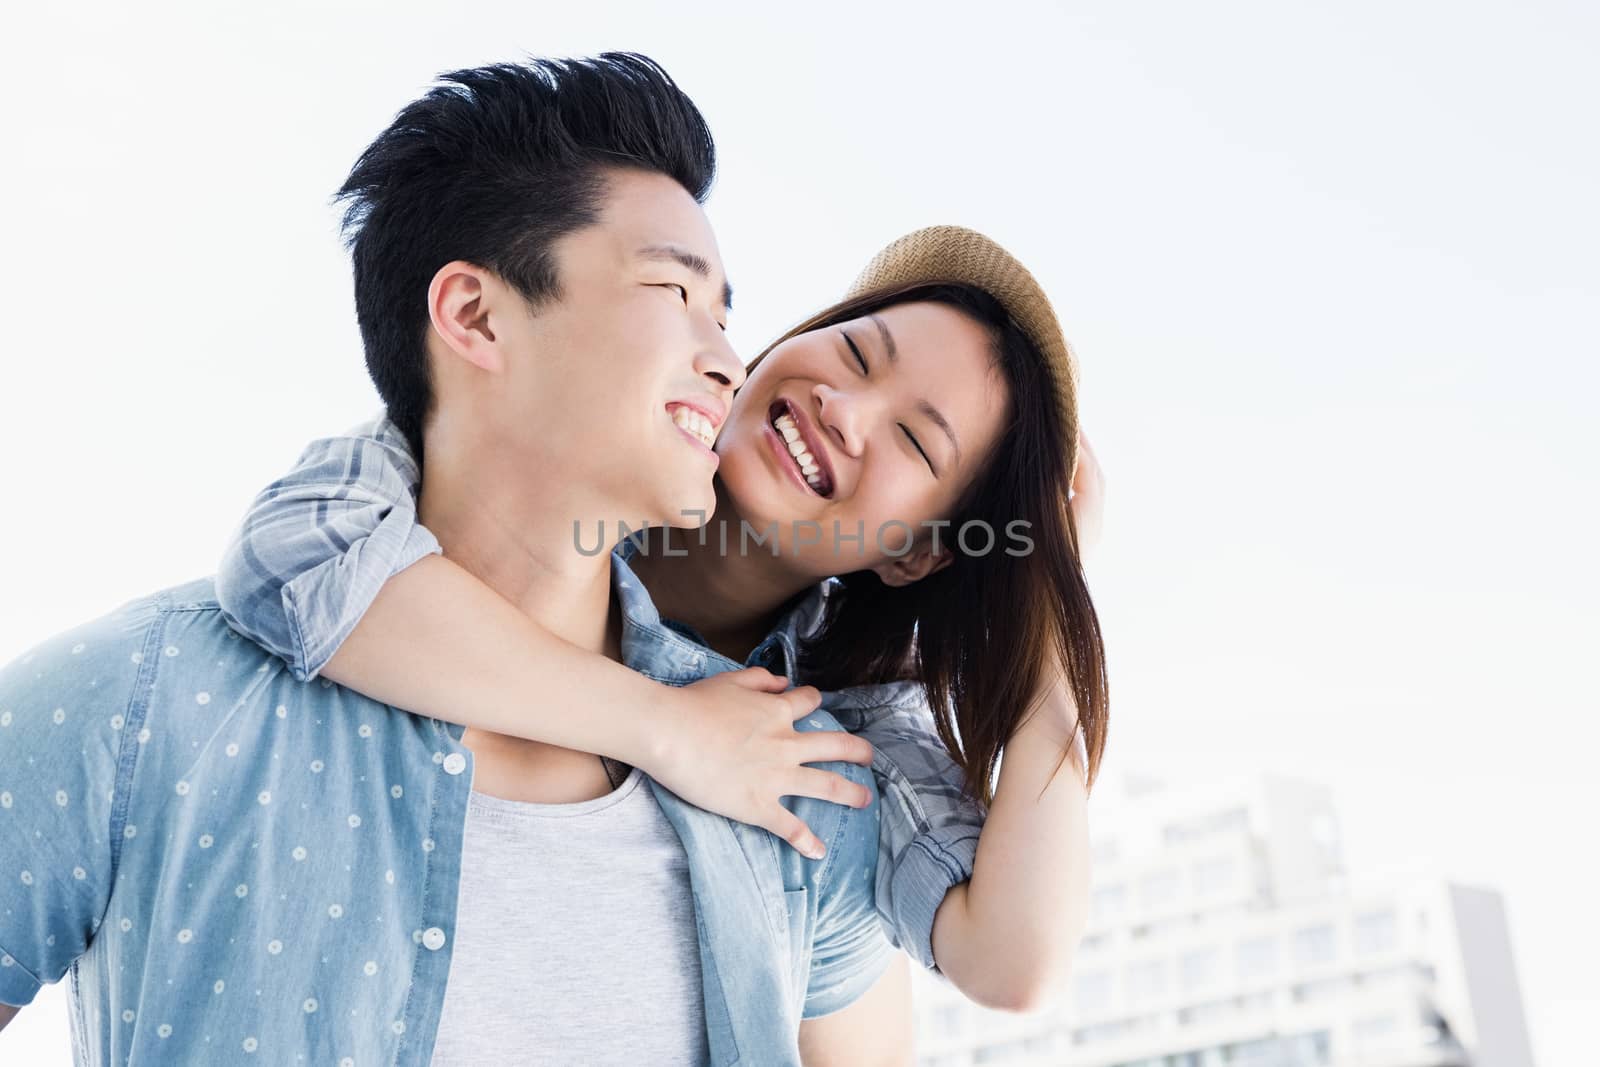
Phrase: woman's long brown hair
x=982 y=634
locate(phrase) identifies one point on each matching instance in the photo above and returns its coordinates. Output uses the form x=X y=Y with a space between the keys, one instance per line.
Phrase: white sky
x=1330 y=271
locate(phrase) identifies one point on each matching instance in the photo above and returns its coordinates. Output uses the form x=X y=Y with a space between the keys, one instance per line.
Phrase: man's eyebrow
x=671 y=253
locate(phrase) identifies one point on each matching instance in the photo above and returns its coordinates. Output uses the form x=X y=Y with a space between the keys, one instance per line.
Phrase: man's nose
x=718 y=361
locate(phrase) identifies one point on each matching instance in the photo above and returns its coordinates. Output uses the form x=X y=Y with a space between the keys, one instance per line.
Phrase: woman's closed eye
x=916 y=445
x=860 y=359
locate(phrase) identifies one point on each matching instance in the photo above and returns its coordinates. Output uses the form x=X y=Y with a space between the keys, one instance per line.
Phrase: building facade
x=1226 y=931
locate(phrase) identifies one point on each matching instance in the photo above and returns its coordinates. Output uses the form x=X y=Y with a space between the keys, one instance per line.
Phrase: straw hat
x=956 y=254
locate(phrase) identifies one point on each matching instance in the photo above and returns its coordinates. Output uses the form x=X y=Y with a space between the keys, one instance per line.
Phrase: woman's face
x=890 y=414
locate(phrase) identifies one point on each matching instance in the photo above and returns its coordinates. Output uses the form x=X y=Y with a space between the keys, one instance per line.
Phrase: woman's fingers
x=803 y=700
x=1087 y=499
x=745 y=722
x=1088 y=477
x=759 y=679
x=787 y=825
x=827 y=785
x=825 y=746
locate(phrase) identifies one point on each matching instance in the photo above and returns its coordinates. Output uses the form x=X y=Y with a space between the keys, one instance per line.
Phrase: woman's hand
x=1088 y=498
x=730 y=747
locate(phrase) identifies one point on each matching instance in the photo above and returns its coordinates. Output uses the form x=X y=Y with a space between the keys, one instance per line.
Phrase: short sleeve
x=929 y=825
x=69 y=716
x=316 y=545
x=849 y=951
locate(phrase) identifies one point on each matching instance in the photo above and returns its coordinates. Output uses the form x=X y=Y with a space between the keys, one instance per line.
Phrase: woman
x=928 y=423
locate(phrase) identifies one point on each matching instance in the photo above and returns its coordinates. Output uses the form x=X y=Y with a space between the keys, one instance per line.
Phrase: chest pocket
x=798 y=903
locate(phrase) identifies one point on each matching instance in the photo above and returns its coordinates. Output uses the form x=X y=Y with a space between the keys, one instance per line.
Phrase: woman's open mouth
x=795 y=439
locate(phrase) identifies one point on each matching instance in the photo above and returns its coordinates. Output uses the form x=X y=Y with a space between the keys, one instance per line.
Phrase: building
x=1225 y=930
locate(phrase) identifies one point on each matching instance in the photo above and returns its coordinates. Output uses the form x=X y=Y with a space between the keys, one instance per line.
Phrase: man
x=235 y=866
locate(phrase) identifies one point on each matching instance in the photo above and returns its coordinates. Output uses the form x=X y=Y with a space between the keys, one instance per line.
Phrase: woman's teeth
x=797 y=448
x=689 y=419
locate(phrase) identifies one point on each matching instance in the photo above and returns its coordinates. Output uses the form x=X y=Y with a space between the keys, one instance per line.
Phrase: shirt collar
x=778 y=652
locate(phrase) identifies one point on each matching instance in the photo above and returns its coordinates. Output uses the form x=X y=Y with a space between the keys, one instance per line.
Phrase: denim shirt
x=236 y=866
x=317 y=544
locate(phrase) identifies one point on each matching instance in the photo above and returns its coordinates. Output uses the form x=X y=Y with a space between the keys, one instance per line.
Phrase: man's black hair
x=492 y=166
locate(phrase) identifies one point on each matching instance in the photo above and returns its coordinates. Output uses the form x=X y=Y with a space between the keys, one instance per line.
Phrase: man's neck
x=518 y=540
x=730 y=598
x=521 y=545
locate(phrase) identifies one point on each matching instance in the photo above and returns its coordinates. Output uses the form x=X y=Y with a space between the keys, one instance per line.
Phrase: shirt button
x=455 y=763
x=433 y=939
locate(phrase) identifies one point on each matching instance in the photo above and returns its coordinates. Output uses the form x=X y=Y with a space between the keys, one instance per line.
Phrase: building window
x=1006 y=1052
x=1199 y=968
x=1214 y=876
x=1041 y=1044
x=1113 y=1031
x=1234 y=820
x=1311 y=1050
x=1375 y=932
x=1147 y=980
x=1091 y=993
x=1257 y=958
x=1159 y=891
x=1302 y=1050
x=1374 y=1029
x=1108 y=901
x=1209 y=1012
x=1323 y=988
x=1314 y=946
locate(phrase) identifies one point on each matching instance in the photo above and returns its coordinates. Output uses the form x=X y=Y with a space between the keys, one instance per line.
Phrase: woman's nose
x=841 y=417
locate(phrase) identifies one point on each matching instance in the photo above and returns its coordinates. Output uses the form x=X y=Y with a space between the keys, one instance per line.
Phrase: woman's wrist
x=649 y=736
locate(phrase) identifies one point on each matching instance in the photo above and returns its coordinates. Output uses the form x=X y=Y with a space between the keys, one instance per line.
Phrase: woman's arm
x=332 y=571
x=1007 y=936
x=437 y=641
x=317 y=544
x=876 y=1030
x=996 y=905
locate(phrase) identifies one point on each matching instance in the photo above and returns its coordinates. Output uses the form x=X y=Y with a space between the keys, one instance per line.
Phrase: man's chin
x=689 y=511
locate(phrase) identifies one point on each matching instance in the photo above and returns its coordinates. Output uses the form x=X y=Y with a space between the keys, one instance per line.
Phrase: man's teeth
x=696 y=423
x=797 y=448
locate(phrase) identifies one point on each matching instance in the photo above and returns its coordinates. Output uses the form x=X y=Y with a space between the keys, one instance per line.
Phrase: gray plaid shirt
x=317 y=544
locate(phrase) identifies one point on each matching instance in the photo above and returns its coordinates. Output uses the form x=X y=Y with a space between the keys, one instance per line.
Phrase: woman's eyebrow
x=939 y=420
x=888 y=338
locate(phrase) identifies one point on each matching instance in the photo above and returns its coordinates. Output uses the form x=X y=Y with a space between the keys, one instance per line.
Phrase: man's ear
x=914 y=565
x=459 y=299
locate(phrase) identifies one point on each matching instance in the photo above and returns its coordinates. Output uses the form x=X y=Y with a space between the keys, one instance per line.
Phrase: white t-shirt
x=575 y=937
